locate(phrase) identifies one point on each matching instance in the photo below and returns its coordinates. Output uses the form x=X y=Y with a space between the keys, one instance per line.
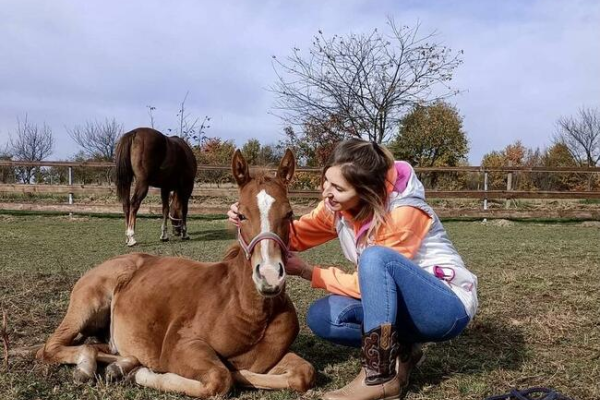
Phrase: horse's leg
x=194 y=369
x=164 y=196
x=270 y=364
x=292 y=372
x=185 y=197
x=126 y=207
x=139 y=193
x=88 y=308
x=118 y=366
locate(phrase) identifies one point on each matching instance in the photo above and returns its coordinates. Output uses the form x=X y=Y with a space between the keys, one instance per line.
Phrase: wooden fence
x=483 y=194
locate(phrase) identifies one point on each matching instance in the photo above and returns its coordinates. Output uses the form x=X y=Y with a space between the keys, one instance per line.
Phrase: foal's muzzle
x=268 y=274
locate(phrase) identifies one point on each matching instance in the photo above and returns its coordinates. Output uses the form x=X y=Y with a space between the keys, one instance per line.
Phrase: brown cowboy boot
x=386 y=365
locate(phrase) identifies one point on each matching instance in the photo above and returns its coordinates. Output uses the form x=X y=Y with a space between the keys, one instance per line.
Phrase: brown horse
x=191 y=327
x=160 y=161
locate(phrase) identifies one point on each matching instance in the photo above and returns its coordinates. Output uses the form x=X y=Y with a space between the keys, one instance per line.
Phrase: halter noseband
x=249 y=247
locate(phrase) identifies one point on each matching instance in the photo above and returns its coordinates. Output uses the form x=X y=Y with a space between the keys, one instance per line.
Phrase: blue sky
x=526 y=63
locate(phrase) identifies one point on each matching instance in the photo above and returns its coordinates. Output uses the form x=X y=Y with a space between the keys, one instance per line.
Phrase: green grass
x=538 y=323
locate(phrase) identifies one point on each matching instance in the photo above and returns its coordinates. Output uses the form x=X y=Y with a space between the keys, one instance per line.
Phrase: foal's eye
x=241 y=217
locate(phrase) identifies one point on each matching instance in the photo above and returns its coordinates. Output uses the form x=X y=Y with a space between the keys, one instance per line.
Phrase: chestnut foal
x=190 y=327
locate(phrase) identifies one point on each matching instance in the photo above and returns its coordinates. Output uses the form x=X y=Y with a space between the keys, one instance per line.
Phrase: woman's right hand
x=232 y=214
x=297 y=266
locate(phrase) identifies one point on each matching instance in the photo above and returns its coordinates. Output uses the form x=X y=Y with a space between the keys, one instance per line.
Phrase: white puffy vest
x=436 y=255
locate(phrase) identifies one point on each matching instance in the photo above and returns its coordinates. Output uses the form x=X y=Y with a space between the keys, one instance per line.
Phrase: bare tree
x=367 y=80
x=31 y=143
x=187 y=126
x=98 y=139
x=151 y=114
x=581 y=136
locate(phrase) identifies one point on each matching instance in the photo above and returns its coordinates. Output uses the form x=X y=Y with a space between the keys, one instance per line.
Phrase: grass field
x=538 y=323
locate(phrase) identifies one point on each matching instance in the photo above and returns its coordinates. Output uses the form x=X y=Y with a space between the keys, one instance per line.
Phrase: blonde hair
x=365 y=165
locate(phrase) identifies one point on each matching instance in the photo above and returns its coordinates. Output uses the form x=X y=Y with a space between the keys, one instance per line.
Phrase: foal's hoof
x=131 y=242
x=81 y=377
x=164 y=239
x=185 y=238
x=114 y=373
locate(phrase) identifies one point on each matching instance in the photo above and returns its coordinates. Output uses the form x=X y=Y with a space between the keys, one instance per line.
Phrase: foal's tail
x=123 y=164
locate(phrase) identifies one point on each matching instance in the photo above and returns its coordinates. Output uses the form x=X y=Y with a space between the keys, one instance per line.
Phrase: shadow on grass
x=487 y=345
x=215 y=234
x=321 y=353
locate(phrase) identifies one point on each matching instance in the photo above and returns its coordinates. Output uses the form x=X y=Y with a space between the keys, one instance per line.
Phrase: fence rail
x=229 y=192
x=471 y=168
x=202 y=190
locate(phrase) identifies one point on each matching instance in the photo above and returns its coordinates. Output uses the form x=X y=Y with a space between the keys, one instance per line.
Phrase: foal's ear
x=239 y=166
x=287 y=166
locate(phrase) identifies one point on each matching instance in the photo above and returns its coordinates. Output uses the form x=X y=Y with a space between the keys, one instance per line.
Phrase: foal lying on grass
x=197 y=328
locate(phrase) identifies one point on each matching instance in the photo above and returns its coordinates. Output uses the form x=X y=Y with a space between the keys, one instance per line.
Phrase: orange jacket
x=403 y=231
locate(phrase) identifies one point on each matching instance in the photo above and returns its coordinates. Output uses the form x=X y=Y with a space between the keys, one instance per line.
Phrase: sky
x=63 y=63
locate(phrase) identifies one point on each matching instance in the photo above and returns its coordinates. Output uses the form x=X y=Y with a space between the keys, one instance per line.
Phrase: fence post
x=485 y=188
x=70 y=194
x=509 y=180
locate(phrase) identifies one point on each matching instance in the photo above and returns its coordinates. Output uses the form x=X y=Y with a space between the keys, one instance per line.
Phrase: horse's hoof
x=164 y=239
x=185 y=238
x=80 y=377
x=131 y=242
x=114 y=373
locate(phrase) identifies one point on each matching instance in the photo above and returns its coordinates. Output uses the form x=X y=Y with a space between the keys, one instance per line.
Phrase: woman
x=411 y=285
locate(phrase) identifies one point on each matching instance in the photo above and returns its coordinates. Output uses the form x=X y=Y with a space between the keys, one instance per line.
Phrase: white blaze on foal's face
x=268 y=272
x=264 y=205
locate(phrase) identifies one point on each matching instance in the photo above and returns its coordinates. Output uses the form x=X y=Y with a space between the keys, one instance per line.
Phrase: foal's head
x=265 y=214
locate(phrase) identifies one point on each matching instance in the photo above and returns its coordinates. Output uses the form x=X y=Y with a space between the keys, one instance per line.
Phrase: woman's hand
x=233 y=214
x=296 y=266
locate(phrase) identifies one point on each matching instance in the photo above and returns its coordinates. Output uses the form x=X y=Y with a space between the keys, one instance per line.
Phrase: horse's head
x=265 y=214
x=175 y=213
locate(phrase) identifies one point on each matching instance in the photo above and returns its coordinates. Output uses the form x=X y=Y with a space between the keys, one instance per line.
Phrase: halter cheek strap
x=249 y=247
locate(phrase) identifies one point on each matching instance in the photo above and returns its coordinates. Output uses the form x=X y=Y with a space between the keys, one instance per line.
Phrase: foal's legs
x=291 y=372
x=164 y=196
x=87 y=309
x=139 y=193
x=118 y=366
x=196 y=371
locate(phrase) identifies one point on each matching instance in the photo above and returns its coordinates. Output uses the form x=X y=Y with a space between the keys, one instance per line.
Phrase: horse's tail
x=123 y=164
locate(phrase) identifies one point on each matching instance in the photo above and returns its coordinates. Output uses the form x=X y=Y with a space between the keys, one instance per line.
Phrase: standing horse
x=191 y=327
x=154 y=160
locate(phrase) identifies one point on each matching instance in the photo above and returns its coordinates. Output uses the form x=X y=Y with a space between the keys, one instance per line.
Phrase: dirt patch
x=498 y=222
x=591 y=224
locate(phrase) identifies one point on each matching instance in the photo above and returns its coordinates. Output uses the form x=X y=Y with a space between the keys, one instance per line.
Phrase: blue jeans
x=393 y=290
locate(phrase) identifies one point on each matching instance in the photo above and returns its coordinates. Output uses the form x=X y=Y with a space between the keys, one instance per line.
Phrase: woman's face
x=338 y=194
